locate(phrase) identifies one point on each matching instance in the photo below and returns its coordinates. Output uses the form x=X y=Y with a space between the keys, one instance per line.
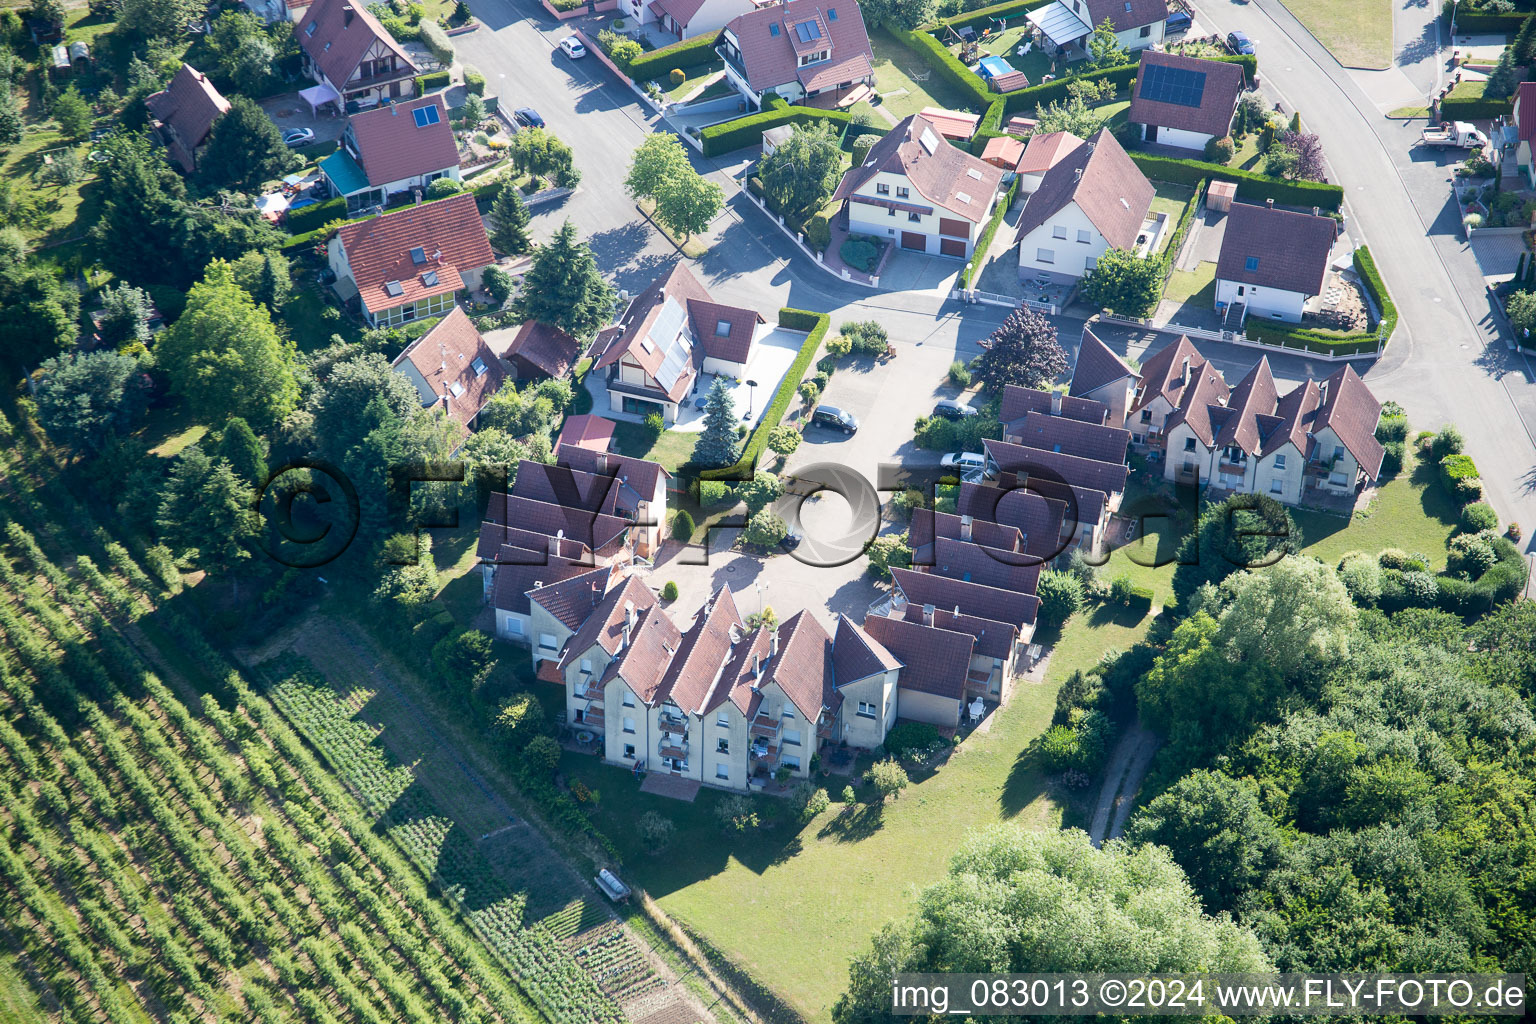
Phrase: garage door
x=914 y=240
x=952 y=247
x=953 y=227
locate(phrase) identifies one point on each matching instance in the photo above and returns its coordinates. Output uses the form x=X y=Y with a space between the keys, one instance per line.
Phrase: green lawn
x=1357 y=32
x=674 y=93
x=897 y=68
x=1411 y=512
x=71 y=209
x=1193 y=287
x=672 y=449
x=792 y=904
x=1172 y=200
x=1156 y=541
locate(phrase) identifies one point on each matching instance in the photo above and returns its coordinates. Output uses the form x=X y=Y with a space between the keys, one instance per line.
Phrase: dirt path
x=1127 y=765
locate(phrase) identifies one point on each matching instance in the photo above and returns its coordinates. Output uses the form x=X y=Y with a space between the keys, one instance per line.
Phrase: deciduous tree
x=803 y=170
x=1124 y=283
x=658 y=158
x=1069 y=115
x=1104 y=46
x=242 y=51
x=687 y=202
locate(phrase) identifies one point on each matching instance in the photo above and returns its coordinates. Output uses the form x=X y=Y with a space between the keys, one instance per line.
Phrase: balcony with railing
x=592 y=717
x=1230 y=468
x=767 y=726
x=588 y=690
x=978 y=682
x=672 y=719
x=765 y=754
x=1155 y=439
x=673 y=748
x=826 y=729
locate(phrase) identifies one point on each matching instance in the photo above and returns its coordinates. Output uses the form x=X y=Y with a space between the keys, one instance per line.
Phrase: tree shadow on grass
x=1024 y=785
x=854 y=823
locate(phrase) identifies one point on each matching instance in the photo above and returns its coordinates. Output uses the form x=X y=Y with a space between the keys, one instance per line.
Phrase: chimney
x=629 y=615
x=928 y=611
x=602 y=464
x=1184 y=378
x=1322 y=392
x=393 y=110
x=1077 y=175
x=554 y=546
x=1055 y=403
x=965 y=527
x=1269 y=203
x=447 y=399
x=757 y=665
x=1317 y=211
x=957 y=611
x=773 y=644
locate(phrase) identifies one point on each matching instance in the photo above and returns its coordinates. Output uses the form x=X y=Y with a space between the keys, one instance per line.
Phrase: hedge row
x=1474 y=109
x=1121 y=76
x=1354 y=343
x=1468 y=22
x=690 y=53
x=946 y=65
x=817 y=325
x=983 y=15
x=308 y=218
x=748 y=130
x=984 y=243
x=1365 y=266
x=434 y=80
x=1181 y=229
x=1249 y=184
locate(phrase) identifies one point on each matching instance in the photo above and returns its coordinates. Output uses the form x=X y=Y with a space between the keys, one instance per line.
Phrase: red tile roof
x=1525 y=111
x=1352 y=412
x=770 y=59
x=603 y=534
x=1004 y=151
x=1020 y=401
x=546 y=347
x=1071 y=437
x=952 y=124
x=186 y=109
x=993 y=639
x=1223 y=83
x=604 y=625
x=803 y=668
x=1254 y=396
x=520 y=572
x=572 y=601
x=1127 y=14
x=457 y=364
x=1097 y=365
x=857 y=655
x=1036 y=517
x=927 y=524
x=495 y=536
x=941 y=173
x=638 y=475
x=561 y=485
x=735 y=345
x=1080 y=505
x=643 y=663
x=705 y=647
x=1104 y=183
x=448 y=231
x=991 y=567
x=1046 y=151
x=337 y=34
x=969 y=598
x=592 y=433
x=681 y=11
x=1108 y=477
x=1290 y=249
x=933 y=660
x=393 y=147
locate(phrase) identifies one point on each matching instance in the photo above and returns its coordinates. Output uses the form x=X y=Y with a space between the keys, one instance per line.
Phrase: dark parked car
x=953 y=410
x=1178 y=21
x=1238 y=42
x=528 y=116
x=834 y=418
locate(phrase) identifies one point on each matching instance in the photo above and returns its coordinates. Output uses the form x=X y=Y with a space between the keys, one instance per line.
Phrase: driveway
x=288 y=110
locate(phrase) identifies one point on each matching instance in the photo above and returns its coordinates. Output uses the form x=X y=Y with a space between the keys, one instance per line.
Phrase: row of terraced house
x=713 y=699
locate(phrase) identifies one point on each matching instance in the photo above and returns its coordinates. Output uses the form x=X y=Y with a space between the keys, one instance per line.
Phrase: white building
x=920 y=192
x=1184 y=101
x=1273 y=262
x=800 y=50
x=1067 y=24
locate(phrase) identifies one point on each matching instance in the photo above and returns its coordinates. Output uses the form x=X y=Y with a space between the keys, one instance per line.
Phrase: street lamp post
x=751 y=391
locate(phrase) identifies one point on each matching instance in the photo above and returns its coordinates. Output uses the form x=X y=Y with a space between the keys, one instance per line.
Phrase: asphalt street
x=1448 y=362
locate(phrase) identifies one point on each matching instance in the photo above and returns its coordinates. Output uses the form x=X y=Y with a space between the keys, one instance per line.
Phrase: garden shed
x=1220 y=195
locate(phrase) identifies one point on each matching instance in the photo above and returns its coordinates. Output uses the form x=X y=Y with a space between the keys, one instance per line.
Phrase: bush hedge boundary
x=1180 y=230
x=1338 y=344
x=816 y=326
x=1249 y=185
x=741 y=132
x=984 y=243
x=688 y=53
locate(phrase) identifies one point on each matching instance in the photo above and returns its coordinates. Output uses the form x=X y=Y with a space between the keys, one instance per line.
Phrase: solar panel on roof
x=807 y=31
x=929 y=140
x=1179 y=86
x=425 y=116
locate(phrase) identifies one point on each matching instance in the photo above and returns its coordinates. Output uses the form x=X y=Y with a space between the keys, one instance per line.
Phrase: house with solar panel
x=392 y=149
x=1063 y=27
x=669 y=335
x=920 y=192
x=806 y=51
x=413 y=263
x=1184 y=101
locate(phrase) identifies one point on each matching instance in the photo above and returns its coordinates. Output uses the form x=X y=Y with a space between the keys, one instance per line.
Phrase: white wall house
x=1093 y=200
x=1273 y=261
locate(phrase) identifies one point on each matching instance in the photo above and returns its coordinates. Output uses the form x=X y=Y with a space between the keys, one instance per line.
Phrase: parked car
x=833 y=418
x=1238 y=42
x=528 y=117
x=953 y=409
x=298 y=136
x=966 y=462
x=1178 y=21
x=573 y=48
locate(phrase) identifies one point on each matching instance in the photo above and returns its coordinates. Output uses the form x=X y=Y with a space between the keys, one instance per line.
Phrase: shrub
x=655 y=426
x=867 y=337
x=543 y=753
x=1514 y=532
x=1061 y=595
x=1392 y=428
x=765 y=530
x=783 y=439
x=736 y=814
x=1455 y=470
x=1392 y=458
x=1250 y=186
x=907 y=737
x=689 y=53
x=682 y=525
x=818 y=232
x=959 y=374
x=713 y=493
x=677 y=76
x=748 y=131
x=497 y=282
x=1447 y=442
x=432 y=80
x=1479 y=516
x=1220 y=151
x=849 y=797
x=1420 y=588
x=839 y=346
x=818 y=802
x=1361 y=576
x=656 y=830
x=436 y=40
x=1469 y=555
x=474 y=81
x=887 y=777
x=859 y=254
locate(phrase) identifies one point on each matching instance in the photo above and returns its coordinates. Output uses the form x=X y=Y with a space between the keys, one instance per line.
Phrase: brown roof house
x=1101 y=376
x=1091 y=488
x=686 y=19
x=1067 y=24
x=452 y=368
x=718 y=703
x=414 y=262
x=1093 y=200
x=1273 y=262
x=670 y=334
x=350 y=56
x=1041 y=153
x=803 y=50
x=920 y=192
x=391 y=149
x=1316 y=443
x=638 y=488
x=1184 y=101
x=182 y=115
x=541 y=350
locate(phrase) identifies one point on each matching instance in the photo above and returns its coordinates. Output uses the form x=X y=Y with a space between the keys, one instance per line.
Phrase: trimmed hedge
x=1355 y=343
x=1478 y=109
x=433 y=80
x=1181 y=229
x=1468 y=22
x=308 y=218
x=690 y=53
x=1365 y=266
x=982 y=15
x=984 y=243
x=1249 y=184
x=946 y=65
x=748 y=130
x=1121 y=76
x=816 y=324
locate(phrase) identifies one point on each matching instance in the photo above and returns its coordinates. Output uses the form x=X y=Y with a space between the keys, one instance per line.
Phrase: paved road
x=1449 y=361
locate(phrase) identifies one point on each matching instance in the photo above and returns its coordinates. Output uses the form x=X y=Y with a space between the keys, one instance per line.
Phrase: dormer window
x=773 y=30
x=722 y=328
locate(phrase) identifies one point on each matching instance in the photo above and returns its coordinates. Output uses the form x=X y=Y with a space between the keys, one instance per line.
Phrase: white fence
x=974 y=295
x=1240 y=338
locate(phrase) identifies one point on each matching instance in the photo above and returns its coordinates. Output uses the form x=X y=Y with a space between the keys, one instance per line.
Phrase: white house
x=686 y=19
x=1184 y=101
x=919 y=191
x=391 y=149
x=350 y=56
x=1094 y=200
x=1065 y=25
x=800 y=49
x=1101 y=376
x=1273 y=262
